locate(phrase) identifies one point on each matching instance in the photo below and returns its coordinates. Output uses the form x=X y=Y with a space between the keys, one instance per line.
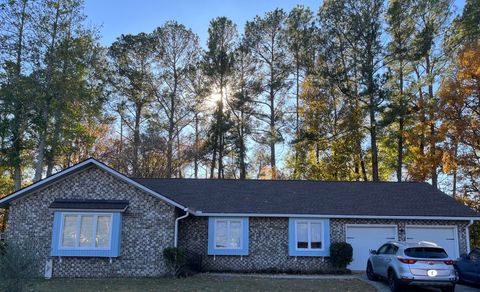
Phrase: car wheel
x=393 y=282
x=370 y=274
x=459 y=276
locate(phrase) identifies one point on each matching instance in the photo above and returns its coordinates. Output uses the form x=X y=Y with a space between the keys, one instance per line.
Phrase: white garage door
x=363 y=238
x=445 y=236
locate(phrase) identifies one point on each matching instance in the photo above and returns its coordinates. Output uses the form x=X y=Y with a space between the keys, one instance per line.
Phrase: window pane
x=221 y=240
x=302 y=235
x=104 y=224
x=383 y=249
x=235 y=234
x=316 y=235
x=86 y=231
x=426 y=252
x=69 y=231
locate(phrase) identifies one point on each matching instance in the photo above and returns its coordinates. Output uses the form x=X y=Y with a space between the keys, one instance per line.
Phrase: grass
x=199 y=283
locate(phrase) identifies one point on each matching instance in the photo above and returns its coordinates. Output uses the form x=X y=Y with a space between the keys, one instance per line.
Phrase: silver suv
x=403 y=263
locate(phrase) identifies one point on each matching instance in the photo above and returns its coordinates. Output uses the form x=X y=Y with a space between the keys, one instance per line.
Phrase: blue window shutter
x=115 y=244
x=57 y=218
x=116 y=234
x=211 y=238
x=292 y=245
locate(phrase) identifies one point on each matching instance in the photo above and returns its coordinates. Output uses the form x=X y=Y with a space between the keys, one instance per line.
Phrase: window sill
x=84 y=253
x=232 y=252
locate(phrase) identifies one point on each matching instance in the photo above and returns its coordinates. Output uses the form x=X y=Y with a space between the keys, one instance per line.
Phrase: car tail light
x=407 y=261
x=448 y=262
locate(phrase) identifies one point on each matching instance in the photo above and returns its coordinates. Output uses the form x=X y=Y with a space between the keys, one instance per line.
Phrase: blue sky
x=118 y=17
x=128 y=16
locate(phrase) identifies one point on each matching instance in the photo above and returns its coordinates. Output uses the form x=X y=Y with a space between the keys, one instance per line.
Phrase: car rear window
x=426 y=252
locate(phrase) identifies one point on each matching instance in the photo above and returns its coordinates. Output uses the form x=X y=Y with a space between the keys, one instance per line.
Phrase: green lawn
x=199 y=283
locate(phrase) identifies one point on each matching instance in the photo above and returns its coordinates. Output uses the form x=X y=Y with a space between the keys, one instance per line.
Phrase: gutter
x=175 y=239
x=207 y=214
x=467 y=229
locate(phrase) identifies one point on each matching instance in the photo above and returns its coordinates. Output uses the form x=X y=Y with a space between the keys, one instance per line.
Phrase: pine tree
x=266 y=39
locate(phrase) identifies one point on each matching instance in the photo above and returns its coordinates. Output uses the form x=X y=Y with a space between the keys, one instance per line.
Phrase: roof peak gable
x=81 y=166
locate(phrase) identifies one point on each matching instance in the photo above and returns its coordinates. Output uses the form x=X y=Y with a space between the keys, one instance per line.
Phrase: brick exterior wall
x=148 y=227
x=268 y=243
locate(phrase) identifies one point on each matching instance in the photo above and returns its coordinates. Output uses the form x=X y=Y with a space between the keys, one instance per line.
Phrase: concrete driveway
x=383 y=287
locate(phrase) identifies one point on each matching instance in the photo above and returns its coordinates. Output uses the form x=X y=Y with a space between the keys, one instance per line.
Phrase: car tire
x=449 y=289
x=370 y=274
x=459 y=275
x=393 y=282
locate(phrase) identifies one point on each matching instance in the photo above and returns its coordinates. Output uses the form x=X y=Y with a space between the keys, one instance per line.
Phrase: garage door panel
x=445 y=236
x=364 y=238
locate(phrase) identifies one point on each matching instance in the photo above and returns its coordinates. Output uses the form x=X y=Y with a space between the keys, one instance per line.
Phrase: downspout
x=468 y=235
x=175 y=239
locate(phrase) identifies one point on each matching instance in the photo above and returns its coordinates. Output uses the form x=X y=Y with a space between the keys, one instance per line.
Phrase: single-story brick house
x=92 y=221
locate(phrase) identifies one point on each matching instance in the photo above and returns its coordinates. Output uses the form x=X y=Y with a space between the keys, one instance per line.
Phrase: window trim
x=292 y=238
x=78 y=230
x=228 y=221
x=115 y=238
x=213 y=250
x=309 y=235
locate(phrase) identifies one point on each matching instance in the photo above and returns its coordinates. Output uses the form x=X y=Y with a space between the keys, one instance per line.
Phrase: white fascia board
x=333 y=216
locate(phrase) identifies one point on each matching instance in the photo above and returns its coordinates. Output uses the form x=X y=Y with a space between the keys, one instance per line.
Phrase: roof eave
x=450 y=218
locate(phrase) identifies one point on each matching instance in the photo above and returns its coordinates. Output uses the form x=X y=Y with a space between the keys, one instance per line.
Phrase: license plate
x=432 y=273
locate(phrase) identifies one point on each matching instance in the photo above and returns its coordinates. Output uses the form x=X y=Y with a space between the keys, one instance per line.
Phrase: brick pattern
x=148 y=227
x=268 y=247
x=268 y=240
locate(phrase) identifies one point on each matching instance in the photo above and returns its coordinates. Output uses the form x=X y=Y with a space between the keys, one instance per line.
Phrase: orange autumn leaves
x=446 y=131
x=460 y=110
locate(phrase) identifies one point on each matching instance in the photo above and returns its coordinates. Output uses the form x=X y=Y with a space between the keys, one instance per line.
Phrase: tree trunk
x=297 y=95
x=373 y=141
x=179 y=160
x=214 y=155
x=400 y=149
x=17 y=132
x=400 y=127
x=356 y=170
x=373 y=126
x=17 y=162
x=50 y=157
x=273 y=134
x=170 y=140
x=195 y=154
x=272 y=141
x=171 y=125
x=433 y=155
x=455 y=172
x=220 y=134
x=364 y=170
x=45 y=111
x=136 y=139
x=243 y=172
x=433 y=145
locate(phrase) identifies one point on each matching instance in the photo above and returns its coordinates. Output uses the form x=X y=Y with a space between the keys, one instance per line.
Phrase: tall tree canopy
x=366 y=90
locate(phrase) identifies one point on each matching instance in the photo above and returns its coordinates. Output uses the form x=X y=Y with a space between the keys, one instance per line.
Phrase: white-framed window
x=309 y=235
x=86 y=231
x=228 y=233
